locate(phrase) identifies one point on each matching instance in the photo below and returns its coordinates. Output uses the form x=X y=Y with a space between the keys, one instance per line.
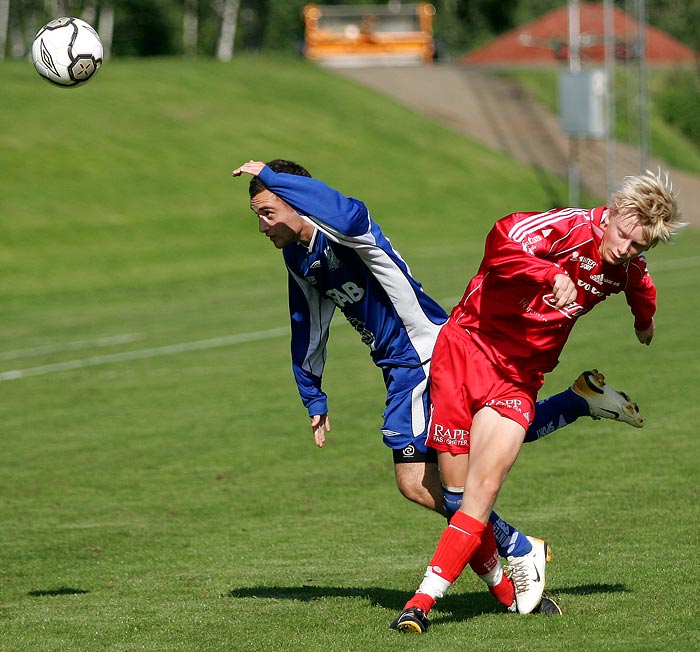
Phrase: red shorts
x=462 y=382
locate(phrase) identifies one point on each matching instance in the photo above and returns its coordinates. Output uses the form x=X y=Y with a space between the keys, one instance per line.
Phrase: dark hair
x=277 y=165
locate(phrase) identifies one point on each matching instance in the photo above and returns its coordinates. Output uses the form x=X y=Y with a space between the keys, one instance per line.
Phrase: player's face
x=278 y=220
x=623 y=239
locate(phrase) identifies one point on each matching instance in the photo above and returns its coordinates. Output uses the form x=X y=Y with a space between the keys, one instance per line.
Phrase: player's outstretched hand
x=647 y=335
x=564 y=290
x=251 y=167
x=320 y=425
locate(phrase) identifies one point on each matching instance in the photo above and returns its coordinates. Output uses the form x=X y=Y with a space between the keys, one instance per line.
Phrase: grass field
x=159 y=488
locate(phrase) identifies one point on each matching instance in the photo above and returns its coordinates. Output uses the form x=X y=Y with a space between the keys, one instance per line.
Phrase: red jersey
x=508 y=307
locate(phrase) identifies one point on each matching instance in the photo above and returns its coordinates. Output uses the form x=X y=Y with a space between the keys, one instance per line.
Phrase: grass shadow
x=590 y=589
x=455 y=607
x=452 y=608
x=63 y=590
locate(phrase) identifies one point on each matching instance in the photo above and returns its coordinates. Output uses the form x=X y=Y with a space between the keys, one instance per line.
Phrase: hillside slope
x=497 y=113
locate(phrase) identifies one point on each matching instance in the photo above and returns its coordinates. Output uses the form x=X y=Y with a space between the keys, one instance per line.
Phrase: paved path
x=497 y=113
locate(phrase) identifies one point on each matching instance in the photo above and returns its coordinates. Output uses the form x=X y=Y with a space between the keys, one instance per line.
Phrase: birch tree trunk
x=4 y=22
x=90 y=12
x=229 y=19
x=106 y=27
x=18 y=46
x=190 y=28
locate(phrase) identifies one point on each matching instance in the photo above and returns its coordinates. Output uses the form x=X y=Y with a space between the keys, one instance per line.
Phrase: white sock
x=433 y=584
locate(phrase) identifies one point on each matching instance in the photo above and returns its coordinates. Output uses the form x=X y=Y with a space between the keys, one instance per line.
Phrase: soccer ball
x=67 y=51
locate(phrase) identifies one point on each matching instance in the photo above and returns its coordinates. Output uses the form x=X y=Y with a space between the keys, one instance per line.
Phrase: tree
x=190 y=28
x=229 y=20
x=284 y=27
x=4 y=22
x=105 y=27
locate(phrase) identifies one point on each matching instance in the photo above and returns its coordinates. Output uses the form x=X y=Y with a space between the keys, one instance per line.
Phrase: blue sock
x=556 y=412
x=509 y=541
x=451 y=500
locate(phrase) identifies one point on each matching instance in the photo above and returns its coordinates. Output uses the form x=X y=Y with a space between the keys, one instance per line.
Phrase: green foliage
x=147 y=28
x=678 y=101
x=680 y=18
x=172 y=499
x=284 y=26
x=670 y=131
x=154 y=27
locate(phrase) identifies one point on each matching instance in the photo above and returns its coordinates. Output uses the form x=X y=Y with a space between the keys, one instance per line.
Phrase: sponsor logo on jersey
x=366 y=334
x=453 y=436
x=333 y=260
x=533 y=240
x=348 y=292
x=529 y=310
x=315 y=265
x=571 y=311
x=583 y=261
x=609 y=281
x=589 y=288
x=510 y=404
x=597 y=278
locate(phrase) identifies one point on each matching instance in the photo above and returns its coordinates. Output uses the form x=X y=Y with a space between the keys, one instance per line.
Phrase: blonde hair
x=650 y=199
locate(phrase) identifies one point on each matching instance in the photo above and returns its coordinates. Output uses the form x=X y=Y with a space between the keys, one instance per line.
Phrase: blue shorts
x=407 y=408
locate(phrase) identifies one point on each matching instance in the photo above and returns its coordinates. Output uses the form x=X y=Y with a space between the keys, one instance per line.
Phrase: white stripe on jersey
x=566 y=235
x=421 y=331
x=320 y=313
x=333 y=234
x=465 y=299
x=537 y=222
x=417 y=408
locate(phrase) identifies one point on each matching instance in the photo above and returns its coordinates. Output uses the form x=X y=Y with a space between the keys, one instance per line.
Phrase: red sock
x=456 y=546
x=422 y=601
x=485 y=557
x=504 y=592
x=484 y=562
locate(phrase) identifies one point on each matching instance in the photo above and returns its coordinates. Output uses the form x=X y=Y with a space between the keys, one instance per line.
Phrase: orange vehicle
x=347 y=35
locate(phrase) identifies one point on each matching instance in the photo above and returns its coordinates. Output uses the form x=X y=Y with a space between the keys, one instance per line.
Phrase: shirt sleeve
x=640 y=293
x=513 y=254
x=338 y=216
x=310 y=315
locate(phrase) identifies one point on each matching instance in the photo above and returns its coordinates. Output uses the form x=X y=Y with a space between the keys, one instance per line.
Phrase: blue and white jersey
x=351 y=265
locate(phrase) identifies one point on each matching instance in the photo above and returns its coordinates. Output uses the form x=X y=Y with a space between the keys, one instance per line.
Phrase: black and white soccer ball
x=67 y=51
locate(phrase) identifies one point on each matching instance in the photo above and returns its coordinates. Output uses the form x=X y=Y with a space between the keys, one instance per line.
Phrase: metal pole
x=643 y=95
x=574 y=36
x=574 y=67
x=610 y=150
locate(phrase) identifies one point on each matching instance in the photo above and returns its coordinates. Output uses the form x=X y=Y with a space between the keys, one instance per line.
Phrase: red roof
x=545 y=40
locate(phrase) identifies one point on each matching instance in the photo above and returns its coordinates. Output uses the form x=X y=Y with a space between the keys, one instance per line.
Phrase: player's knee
x=488 y=489
x=411 y=488
x=451 y=500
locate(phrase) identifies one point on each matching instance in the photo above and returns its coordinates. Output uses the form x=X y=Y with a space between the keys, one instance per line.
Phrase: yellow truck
x=358 y=35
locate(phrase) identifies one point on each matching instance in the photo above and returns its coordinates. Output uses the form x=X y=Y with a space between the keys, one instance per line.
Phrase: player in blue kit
x=338 y=257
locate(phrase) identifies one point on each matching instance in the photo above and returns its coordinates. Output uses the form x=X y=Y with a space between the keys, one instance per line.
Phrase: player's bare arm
x=320 y=425
x=251 y=167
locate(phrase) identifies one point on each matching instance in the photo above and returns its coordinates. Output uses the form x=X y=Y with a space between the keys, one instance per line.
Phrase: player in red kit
x=539 y=274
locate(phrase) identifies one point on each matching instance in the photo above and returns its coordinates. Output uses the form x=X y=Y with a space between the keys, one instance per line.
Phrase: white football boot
x=527 y=573
x=605 y=402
